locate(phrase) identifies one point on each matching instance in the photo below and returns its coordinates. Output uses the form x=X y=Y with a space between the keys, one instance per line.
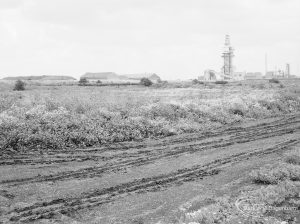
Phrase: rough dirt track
x=119 y=158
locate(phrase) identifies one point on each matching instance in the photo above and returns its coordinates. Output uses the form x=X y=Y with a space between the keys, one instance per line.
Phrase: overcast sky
x=173 y=38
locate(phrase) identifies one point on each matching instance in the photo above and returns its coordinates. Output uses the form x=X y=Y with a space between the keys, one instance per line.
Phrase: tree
x=83 y=81
x=146 y=82
x=273 y=80
x=19 y=85
x=98 y=82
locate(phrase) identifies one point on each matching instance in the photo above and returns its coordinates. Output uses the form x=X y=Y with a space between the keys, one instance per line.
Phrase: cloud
x=10 y=4
x=172 y=37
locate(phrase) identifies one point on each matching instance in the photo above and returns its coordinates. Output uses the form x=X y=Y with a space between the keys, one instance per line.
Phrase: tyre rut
x=69 y=206
x=150 y=156
x=51 y=157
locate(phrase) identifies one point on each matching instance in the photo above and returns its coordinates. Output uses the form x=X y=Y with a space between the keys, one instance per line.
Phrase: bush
x=236 y=111
x=222 y=211
x=83 y=81
x=276 y=174
x=146 y=82
x=222 y=82
x=273 y=80
x=98 y=82
x=293 y=158
x=19 y=85
x=196 y=81
x=274 y=194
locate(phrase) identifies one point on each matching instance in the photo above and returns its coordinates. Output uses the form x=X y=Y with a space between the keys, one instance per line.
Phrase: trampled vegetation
x=79 y=116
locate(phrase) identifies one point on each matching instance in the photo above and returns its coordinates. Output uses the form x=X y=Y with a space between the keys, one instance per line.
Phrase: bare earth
x=153 y=181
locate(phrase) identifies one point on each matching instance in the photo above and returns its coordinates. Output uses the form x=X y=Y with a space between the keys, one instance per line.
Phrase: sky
x=177 y=39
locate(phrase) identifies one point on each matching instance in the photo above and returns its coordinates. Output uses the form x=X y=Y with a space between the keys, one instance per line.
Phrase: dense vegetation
x=19 y=85
x=75 y=116
x=146 y=82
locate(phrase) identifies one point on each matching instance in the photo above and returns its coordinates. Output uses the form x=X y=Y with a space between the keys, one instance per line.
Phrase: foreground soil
x=153 y=181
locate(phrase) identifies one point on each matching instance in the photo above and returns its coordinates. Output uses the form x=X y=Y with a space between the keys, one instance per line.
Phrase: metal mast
x=227 y=54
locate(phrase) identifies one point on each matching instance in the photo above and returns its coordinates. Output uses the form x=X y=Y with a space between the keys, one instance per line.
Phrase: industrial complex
x=228 y=72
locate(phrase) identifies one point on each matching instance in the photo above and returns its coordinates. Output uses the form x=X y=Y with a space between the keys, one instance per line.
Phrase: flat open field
x=209 y=145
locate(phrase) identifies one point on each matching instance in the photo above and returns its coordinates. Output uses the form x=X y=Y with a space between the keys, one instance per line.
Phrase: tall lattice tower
x=227 y=54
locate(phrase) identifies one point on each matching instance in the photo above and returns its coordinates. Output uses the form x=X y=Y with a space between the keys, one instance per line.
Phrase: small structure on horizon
x=253 y=75
x=280 y=73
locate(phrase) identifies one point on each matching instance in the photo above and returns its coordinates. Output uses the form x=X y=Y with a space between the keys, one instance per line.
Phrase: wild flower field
x=57 y=117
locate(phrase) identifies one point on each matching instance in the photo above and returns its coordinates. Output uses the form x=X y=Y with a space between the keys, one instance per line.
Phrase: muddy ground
x=153 y=181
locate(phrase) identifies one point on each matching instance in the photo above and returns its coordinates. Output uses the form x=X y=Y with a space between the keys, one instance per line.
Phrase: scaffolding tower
x=228 y=55
x=287 y=70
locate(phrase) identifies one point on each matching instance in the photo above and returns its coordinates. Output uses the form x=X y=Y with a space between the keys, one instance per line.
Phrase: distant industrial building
x=253 y=75
x=112 y=77
x=228 y=70
x=239 y=75
x=95 y=76
x=138 y=76
x=279 y=73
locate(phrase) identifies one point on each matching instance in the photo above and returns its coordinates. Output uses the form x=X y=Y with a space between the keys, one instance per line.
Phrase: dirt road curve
x=113 y=175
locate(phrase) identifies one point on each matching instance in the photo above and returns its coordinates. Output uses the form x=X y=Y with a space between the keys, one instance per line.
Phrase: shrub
x=274 y=194
x=293 y=158
x=146 y=82
x=83 y=81
x=19 y=85
x=222 y=82
x=275 y=174
x=222 y=211
x=98 y=82
x=196 y=81
x=273 y=80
